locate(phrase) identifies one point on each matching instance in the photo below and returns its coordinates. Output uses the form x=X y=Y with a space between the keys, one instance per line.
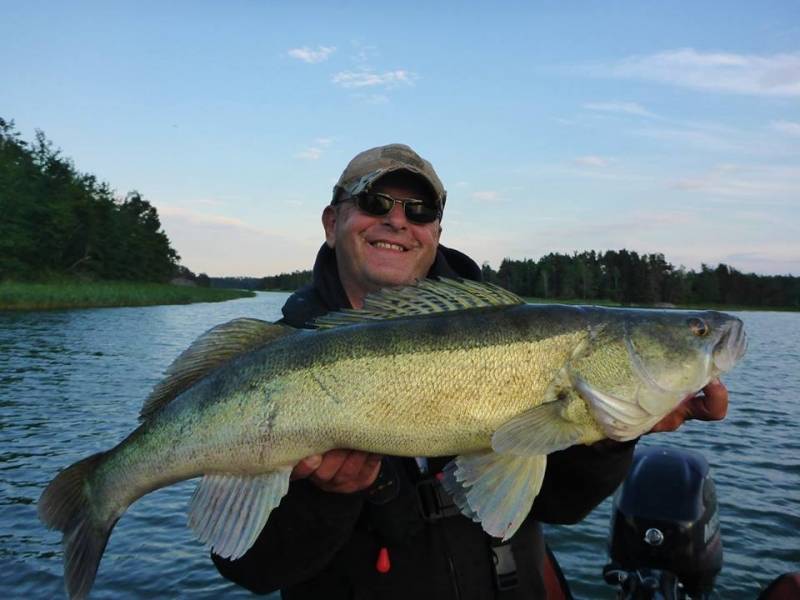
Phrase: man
x=358 y=525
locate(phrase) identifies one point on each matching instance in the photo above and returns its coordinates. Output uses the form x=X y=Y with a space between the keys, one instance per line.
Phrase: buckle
x=386 y=486
x=433 y=502
x=504 y=566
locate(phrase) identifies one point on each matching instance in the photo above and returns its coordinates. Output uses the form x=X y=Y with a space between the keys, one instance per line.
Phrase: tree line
x=236 y=283
x=56 y=221
x=627 y=277
x=621 y=276
x=286 y=281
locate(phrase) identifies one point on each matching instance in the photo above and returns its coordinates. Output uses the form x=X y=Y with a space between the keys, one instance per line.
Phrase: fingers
x=711 y=405
x=673 y=420
x=342 y=471
x=306 y=467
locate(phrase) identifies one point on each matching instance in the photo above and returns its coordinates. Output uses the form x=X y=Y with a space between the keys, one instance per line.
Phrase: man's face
x=376 y=252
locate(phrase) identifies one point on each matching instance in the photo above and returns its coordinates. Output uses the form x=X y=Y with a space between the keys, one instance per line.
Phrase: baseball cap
x=369 y=166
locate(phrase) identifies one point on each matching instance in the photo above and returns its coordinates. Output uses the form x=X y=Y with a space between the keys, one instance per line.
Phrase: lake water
x=72 y=383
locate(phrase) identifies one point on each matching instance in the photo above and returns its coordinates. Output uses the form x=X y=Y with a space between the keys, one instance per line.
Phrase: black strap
x=433 y=502
x=504 y=565
x=386 y=486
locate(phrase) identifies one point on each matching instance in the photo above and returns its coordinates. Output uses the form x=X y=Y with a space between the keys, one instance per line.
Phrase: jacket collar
x=448 y=263
x=326 y=292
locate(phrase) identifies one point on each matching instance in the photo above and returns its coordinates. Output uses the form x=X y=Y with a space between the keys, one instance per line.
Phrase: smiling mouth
x=388 y=246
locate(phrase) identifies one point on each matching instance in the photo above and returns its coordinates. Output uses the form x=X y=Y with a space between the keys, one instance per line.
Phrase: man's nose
x=397 y=216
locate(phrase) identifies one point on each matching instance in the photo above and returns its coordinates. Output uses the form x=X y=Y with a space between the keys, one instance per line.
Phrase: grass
x=74 y=294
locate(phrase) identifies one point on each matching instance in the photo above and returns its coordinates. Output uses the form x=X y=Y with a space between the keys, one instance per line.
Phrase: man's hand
x=341 y=471
x=711 y=405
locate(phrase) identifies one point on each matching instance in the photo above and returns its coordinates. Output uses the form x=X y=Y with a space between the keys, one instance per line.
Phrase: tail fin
x=66 y=505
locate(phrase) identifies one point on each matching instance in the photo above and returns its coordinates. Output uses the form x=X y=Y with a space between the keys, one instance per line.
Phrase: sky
x=670 y=127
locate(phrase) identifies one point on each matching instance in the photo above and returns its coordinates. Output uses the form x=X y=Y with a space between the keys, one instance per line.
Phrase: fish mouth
x=731 y=346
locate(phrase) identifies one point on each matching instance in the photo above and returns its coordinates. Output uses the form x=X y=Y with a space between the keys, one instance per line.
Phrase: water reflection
x=72 y=383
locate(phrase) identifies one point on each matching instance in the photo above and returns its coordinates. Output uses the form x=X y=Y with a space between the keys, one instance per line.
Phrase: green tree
x=58 y=221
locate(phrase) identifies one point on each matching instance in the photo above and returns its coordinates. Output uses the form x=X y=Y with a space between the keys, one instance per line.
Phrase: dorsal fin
x=427 y=296
x=210 y=350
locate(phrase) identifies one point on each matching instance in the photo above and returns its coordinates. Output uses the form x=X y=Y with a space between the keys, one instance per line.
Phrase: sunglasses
x=379 y=204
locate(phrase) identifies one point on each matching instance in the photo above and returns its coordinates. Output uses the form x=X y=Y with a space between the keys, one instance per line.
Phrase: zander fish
x=436 y=369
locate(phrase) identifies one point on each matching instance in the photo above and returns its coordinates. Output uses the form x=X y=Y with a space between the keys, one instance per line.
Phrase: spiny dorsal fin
x=210 y=350
x=427 y=296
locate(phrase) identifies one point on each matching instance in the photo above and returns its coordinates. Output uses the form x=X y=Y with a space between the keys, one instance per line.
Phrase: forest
x=627 y=277
x=624 y=277
x=56 y=222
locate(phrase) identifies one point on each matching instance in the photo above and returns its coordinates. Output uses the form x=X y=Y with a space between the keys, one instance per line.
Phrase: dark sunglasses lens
x=418 y=211
x=375 y=204
x=421 y=212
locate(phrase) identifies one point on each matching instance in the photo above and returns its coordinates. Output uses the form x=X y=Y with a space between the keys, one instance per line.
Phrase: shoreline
x=710 y=306
x=16 y=296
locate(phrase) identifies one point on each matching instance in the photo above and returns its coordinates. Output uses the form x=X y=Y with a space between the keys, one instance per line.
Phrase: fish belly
x=427 y=403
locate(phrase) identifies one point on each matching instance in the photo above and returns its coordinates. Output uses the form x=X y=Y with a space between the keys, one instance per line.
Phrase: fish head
x=638 y=365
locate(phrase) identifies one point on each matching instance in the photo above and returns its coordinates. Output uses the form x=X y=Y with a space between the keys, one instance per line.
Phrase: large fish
x=440 y=368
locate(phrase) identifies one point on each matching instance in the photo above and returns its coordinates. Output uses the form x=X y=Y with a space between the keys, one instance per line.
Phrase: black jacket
x=325 y=545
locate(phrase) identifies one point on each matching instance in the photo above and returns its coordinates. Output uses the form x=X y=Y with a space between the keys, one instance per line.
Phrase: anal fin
x=227 y=512
x=496 y=490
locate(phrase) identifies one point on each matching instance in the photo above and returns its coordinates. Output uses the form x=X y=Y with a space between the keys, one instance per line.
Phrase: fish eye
x=699 y=327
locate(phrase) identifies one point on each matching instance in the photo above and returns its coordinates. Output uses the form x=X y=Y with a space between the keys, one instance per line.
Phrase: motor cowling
x=666 y=517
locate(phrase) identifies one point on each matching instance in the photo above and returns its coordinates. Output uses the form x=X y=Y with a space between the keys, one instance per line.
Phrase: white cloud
x=768 y=75
x=488 y=196
x=688 y=237
x=787 y=127
x=363 y=53
x=369 y=78
x=592 y=161
x=198 y=218
x=222 y=245
x=315 y=151
x=208 y=202
x=706 y=138
x=309 y=154
x=774 y=184
x=630 y=108
x=311 y=55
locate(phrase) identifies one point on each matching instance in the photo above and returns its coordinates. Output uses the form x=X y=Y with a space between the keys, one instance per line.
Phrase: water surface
x=72 y=383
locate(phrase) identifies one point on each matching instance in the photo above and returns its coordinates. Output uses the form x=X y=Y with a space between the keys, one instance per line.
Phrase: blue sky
x=555 y=126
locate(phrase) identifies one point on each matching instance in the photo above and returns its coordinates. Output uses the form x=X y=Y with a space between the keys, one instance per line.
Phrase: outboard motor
x=665 y=537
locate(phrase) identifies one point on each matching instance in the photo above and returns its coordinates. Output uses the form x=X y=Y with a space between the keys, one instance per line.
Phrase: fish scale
x=499 y=384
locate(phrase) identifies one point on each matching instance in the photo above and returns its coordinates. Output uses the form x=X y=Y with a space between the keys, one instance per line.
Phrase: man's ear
x=329 y=216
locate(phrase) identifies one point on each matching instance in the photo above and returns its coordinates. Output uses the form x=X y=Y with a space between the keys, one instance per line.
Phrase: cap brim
x=365 y=182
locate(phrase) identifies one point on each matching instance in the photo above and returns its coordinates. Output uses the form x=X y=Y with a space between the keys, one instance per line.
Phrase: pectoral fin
x=540 y=430
x=227 y=512
x=496 y=490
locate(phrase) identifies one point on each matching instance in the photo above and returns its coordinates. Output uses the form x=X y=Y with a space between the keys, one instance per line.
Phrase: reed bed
x=59 y=295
